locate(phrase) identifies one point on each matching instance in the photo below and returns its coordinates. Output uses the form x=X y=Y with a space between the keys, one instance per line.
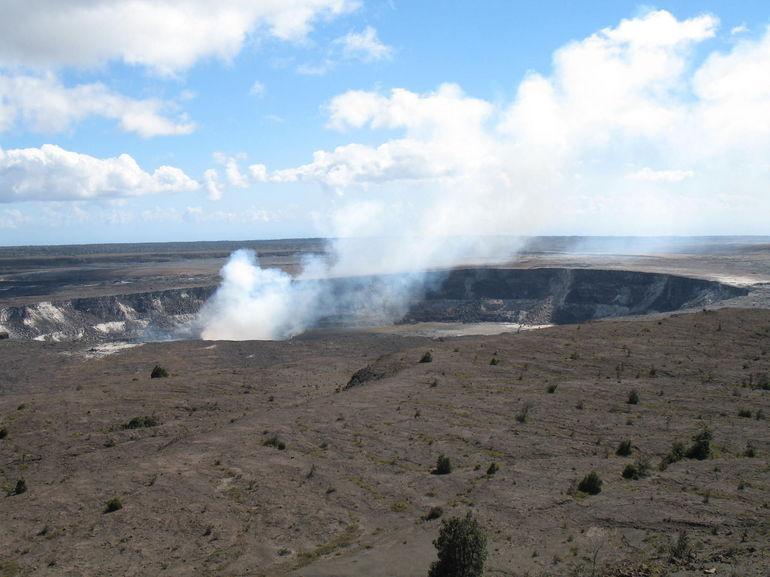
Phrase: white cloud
x=213 y=186
x=647 y=174
x=43 y=104
x=52 y=173
x=232 y=171
x=258 y=172
x=557 y=155
x=11 y=218
x=740 y=29
x=257 y=89
x=319 y=69
x=168 y=36
x=364 y=46
x=246 y=216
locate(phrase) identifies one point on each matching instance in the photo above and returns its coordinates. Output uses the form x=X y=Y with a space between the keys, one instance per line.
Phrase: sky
x=171 y=120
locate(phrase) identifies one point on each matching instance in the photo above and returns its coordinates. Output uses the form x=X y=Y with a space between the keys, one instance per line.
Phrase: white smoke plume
x=638 y=129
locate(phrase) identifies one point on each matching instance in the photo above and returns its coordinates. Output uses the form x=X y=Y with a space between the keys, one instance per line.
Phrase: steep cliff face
x=151 y=315
x=561 y=296
x=525 y=296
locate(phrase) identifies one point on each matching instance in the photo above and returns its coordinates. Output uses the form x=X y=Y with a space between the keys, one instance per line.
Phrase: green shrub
x=113 y=505
x=681 y=549
x=462 y=549
x=443 y=466
x=21 y=487
x=701 y=447
x=591 y=484
x=494 y=361
x=141 y=423
x=551 y=389
x=274 y=441
x=745 y=413
x=158 y=372
x=750 y=451
x=633 y=397
x=624 y=449
x=638 y=470
x=523 y=414
x=3 y=433
x=676 y=454
x=493 y=468
x=427 y=357
x=434 y=513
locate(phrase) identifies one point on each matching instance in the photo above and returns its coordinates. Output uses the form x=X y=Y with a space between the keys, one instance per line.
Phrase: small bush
x=493 y=468
x=745 y=413
x=591 y=484
x=494 y=361
x=750 y=451
x=676 y=454
x=551 y=389
x=681 y=549
x=462 y=549
x=21 y=487
x=427 y=357
x=113 y=505
x=141 y=423
x=633 y=397
x=624 y=449
x=701 y=447
x=3 y=433
x=443 y=466
x=274 y=441
x=523 y=415
x=158 y=372
x=433 y=514
x=638 y=470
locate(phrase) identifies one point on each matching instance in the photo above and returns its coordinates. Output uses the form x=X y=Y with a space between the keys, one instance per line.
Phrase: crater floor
x=202 y=494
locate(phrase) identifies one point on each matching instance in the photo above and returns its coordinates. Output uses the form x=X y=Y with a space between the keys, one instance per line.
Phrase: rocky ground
x=256 y=458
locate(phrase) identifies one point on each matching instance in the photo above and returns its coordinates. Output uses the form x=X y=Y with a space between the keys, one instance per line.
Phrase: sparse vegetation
x=639 y=469
x=19 y=488
x=523 y=415
x=750 y=451
x=680 y=550
x=591 y=484
x=701 y=446
x=633 y=397
x=3 y=433
x=551 y=389
x=158 y=372
x=443 y=466
x=676 y=453
x=492 y=469
x=427 y=357
x=624 y=449
x=274 y=440
x=113 y=505
x=494 y=361
x=141 y=423
x=462 y=549
x=433 y=514
x=744 y=413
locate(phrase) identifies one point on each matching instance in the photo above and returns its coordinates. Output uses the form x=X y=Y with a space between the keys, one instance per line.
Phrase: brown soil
x=202 y=494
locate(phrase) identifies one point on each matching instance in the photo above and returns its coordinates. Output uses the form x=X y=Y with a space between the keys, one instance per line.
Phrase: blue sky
x=271 y=83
